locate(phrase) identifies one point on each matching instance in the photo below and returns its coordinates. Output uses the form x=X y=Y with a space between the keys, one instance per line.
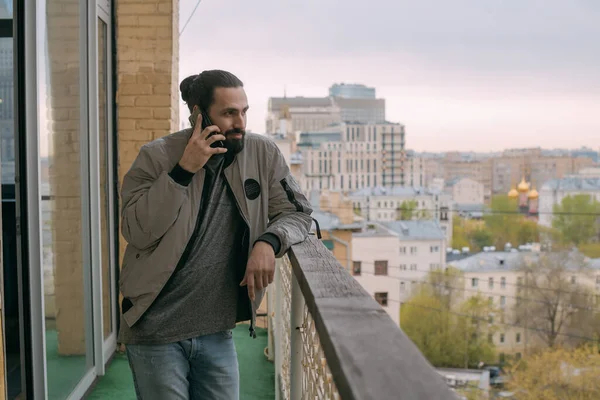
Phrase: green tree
x=480 y=238
x=528 y=232
x=559 y=373
x=407 y=210
x=504 y=221
x=577 y=219
x=459 y=236
x=449 y=331
x=475 y=329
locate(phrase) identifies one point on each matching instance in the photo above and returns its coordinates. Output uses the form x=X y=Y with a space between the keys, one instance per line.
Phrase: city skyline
x=460 y=76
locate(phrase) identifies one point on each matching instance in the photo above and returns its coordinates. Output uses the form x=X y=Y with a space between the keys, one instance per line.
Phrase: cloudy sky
x=461 y=74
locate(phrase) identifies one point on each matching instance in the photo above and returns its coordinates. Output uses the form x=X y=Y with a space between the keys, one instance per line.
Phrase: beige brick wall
x=148 y=79
x=65 y=174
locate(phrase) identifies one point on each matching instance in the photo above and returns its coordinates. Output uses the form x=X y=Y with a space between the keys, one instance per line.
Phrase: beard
x=234 y=145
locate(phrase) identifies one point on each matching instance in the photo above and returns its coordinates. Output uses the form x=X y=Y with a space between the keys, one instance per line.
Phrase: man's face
x=228 y=112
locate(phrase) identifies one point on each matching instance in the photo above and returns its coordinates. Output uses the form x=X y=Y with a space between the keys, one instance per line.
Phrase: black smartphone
x=205 y=123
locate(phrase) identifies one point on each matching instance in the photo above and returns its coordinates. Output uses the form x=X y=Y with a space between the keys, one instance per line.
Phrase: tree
x=591 y=250
x=480 y=238
x=475 y=329
x=449 y=331
x=503 y=220
x=557 y=374
x=459 y=236
x=406 y=210
x=527 y=232
x=577 y=218
x=551 y=295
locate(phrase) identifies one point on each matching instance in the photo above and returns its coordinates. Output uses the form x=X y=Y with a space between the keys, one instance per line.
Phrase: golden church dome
x=533 y=194
x=523 y=186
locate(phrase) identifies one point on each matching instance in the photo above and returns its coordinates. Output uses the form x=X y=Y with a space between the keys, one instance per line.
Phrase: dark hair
x=198 y=90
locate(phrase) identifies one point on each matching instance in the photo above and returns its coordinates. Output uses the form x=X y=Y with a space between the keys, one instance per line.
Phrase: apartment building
x=382 y=204
x=496 y=276
x=465 y=191
x=351 y=156
x=423 y=171
x=509 y=169
x=389 y=259
x=554 y=191
x=477 y=170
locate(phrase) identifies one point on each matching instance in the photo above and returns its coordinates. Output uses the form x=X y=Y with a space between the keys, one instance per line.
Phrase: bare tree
x=553 y=301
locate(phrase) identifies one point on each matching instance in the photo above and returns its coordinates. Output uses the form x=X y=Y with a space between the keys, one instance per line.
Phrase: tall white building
x=389 y=259
x=349 y=156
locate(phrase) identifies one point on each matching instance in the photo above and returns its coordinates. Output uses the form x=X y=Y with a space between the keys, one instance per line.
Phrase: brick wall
x=148 y=82
x=63 y=124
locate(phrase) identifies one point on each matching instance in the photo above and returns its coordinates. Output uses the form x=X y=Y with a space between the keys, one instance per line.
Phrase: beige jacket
x=158 y=215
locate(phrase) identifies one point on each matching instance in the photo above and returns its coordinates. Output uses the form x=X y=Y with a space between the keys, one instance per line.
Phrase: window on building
x=502 y=338
x=490 y=338
x=403 y=267
x=491 y=300
x=402 y=286
x=444 y=213
x=435 y=249
x=356 y=268
x=403 y=250
x=502 y=301
x=573 y=279
x=491 y=283
x=474 y=282
x=518 y=338
x=503 y=283
x=381 y=267
x=413 y=250
x=382 y=298
x=413 y=267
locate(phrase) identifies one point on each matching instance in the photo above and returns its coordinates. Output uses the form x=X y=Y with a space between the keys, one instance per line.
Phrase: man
x=205 y=213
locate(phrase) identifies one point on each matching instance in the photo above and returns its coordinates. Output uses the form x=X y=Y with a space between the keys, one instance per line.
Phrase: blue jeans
x=205 y=367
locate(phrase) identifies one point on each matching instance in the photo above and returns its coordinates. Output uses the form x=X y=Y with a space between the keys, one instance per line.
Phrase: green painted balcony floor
x=257 y=374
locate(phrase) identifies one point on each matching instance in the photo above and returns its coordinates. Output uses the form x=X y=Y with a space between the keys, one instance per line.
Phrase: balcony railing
x=330 y=339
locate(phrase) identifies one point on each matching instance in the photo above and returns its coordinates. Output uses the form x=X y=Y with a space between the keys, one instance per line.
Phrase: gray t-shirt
x=202 y=296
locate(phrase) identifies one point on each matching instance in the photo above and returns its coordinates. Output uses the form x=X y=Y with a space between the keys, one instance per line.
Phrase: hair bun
x=185 y=86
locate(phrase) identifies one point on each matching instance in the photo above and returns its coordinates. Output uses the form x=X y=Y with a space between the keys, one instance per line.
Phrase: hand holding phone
x=200 y=146
x=206 y=122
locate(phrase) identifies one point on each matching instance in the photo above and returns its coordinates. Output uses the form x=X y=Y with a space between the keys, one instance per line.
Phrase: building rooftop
x=573 y=183
x=509 y=261
x=416 y=230
x=394 y=191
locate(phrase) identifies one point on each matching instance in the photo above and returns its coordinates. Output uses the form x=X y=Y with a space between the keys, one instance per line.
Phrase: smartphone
x=205 y=123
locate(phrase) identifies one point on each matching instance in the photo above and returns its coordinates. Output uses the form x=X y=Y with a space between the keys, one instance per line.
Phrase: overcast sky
x=461 y=74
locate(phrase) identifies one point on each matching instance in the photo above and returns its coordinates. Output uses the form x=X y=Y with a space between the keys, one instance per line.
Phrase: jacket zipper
x=251 y=329
x=188 y=248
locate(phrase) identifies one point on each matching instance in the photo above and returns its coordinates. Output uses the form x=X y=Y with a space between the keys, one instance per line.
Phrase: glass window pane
x=105 y=180
x=7 y=135
x=66 y=262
